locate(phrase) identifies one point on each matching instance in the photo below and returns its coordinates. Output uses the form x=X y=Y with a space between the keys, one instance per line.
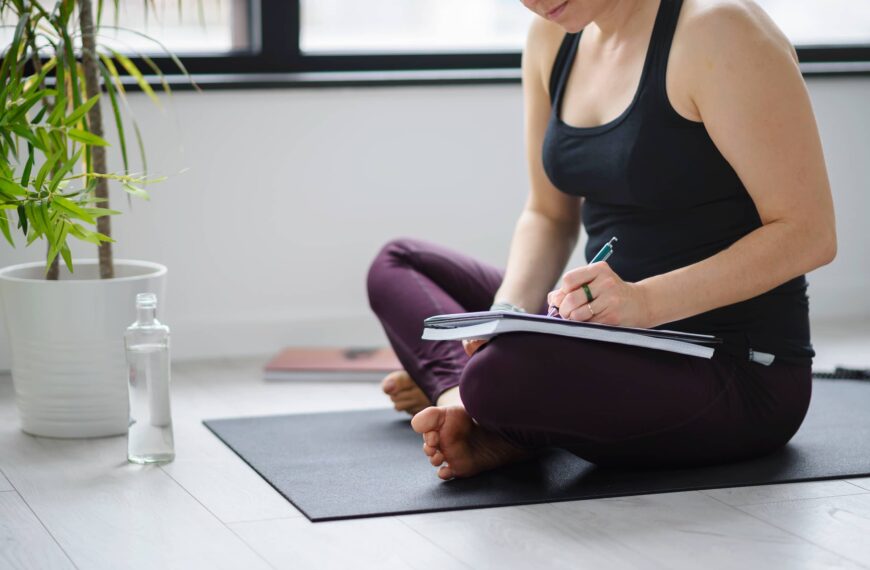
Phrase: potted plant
x=66 y=322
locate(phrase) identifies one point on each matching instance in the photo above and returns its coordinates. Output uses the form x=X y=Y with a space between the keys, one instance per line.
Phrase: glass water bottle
x=149 y=438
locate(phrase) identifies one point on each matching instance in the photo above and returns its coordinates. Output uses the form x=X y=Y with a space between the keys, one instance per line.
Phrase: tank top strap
x=660 y=42
x=563 y=60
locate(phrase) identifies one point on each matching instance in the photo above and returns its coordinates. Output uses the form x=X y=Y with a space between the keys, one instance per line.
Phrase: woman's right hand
x=472 y=344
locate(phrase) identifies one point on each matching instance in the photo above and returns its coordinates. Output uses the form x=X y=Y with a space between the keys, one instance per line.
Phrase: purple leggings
x=610 y=404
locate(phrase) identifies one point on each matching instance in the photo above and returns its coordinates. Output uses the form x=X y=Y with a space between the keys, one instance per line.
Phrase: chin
x=574 y=18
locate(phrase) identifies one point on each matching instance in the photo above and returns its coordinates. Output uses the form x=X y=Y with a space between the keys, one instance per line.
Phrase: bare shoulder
x=726 y=32
x=542 y=45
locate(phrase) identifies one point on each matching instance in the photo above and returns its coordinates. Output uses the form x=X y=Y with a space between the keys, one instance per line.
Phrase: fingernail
x=390 y=385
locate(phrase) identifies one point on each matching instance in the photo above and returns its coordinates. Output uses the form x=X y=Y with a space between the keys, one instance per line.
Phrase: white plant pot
x=67 y=341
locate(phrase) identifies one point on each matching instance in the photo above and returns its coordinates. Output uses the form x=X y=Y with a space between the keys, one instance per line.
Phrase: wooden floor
x=78 y=504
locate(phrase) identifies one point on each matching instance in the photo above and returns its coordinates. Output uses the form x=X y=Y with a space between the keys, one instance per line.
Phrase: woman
x=684 y=128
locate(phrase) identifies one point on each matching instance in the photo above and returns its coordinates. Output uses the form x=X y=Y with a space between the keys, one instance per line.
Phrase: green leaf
x=10 y=63
x=4 y=227
x=86 y=235
x=36 y=81
x=113 y=71
x=99 y=212
x=46 y=168
x=35 y=221
x=73 y=64
x=67 y=258
x=67 y=166
x=87 y=138
x=24 y=133
x=28 y=103
x=83 y=234
x=72 y=209
x=136 y=191
x=131 y=68
x=11 y=189
x=116 y=111
x=60 y=242
x=80 y=112
x=45 y=218
x=28 y=166
x=22 y=219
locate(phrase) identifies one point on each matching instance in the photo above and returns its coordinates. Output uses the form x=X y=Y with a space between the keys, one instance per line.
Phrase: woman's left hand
x=614 y=302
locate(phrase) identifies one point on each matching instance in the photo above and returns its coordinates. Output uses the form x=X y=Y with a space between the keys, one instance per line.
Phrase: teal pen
x=603 y=255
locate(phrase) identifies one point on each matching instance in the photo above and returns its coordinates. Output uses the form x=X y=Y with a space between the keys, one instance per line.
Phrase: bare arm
x=755 y=106
x=747 y=88
x=548 y=227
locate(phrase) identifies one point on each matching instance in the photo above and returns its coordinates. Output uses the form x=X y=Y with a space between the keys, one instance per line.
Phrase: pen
x=603 y=254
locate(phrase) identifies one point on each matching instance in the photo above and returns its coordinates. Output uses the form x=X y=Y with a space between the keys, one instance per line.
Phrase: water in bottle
x=149 y=439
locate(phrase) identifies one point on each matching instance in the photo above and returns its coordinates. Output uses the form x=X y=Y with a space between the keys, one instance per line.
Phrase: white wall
x=288 y=194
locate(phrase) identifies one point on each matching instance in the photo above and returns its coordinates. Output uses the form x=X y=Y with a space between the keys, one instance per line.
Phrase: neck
x=617 y=18
x=145 y=316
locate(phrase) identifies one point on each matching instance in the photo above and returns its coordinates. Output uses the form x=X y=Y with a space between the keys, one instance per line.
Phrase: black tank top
x=656 y=180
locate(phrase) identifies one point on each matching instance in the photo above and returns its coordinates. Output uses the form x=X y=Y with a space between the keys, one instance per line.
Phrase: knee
x=378 y=280
x=494 y=383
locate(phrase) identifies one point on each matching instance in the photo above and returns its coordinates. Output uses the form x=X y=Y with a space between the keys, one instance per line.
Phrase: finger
x=584 y=314
x=571 y=302
x=554 y=296
x=577 y=277
x=471 y=346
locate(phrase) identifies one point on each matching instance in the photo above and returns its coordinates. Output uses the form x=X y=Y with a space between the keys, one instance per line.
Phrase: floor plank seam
x=432 y=542
x=217 y=518
x=785 y=530
x=627 y=545
x=43 y=525
x=251 y=548
x=775 y=501
x=856 y=484
x=268 y=519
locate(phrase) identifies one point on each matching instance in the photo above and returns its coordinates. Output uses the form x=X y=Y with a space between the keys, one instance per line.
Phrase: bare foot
x=404 y=392
x=450 y=435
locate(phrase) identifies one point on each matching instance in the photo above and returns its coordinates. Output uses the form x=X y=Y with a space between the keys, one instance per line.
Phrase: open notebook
x=487 y=324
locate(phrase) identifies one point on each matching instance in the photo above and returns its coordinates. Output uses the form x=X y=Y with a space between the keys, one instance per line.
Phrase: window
x=184 y=27
x=413 y=26
x=326 y=42
x=821 y=22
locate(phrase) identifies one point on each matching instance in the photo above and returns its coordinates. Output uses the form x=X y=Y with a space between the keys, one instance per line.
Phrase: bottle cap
x=146 y=300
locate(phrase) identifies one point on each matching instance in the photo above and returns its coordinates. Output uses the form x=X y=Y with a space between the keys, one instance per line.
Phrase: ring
x=591 y=312
x=589 y=297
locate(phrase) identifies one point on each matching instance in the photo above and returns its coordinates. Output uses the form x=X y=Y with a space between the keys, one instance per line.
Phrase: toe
x=445 y=472
x=437 y=459
x=429 y=450
x=432 y=418
x=431 y=438
x=390 y=383
x=404 y=382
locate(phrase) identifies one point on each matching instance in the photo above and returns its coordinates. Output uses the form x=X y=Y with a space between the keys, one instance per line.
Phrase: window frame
x=275 y=59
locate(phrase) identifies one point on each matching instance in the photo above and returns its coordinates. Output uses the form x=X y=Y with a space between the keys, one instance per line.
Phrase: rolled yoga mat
x=342 y=465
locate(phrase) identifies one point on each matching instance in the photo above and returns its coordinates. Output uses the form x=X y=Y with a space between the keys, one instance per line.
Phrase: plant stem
x=54 y=268
x=95 y=126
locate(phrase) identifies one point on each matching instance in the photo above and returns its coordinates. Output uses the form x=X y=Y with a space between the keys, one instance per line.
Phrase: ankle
x=449 y=397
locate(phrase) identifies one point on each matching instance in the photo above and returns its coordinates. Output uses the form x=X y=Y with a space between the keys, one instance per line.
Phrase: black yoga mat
x=341 y=465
